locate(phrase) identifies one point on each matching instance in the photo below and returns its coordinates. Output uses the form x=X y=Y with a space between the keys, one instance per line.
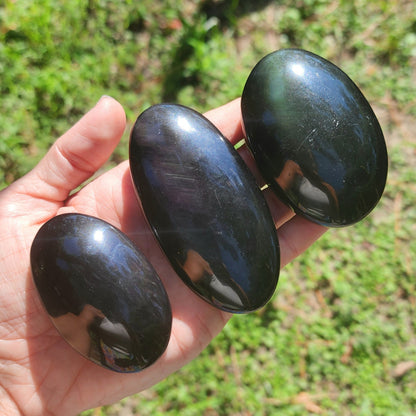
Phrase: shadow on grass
x=227 y=12
x=199 y=29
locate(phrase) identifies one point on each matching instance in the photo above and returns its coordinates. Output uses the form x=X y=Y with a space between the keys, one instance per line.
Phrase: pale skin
x=40 y=374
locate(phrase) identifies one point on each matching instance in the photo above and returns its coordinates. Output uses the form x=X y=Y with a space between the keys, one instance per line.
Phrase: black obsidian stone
x=205 y=208
x=315 y=137
x=102 y=295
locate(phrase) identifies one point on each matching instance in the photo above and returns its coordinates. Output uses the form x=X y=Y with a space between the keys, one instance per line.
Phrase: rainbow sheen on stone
x=205 y=208
x=100 y=292
x=314 y=137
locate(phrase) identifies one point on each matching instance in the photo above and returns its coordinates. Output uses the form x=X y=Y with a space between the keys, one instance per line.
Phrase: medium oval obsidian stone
x=101 y=293
x=205 y=208
x=315 y=137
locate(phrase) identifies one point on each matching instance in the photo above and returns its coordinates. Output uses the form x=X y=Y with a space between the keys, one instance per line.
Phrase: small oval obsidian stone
x=205 y=208
x=315 y=137
x=101 y=293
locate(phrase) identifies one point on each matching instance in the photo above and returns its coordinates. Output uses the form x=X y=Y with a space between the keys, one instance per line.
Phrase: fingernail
x=103 y=97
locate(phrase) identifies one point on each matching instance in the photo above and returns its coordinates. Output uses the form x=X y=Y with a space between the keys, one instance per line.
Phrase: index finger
x=295 y=233
x=227 y=119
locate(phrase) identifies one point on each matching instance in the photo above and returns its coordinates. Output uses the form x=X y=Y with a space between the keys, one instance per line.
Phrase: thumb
x=80 y=152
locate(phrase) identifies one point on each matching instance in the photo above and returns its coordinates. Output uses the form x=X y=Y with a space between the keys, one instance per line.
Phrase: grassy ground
x=339 y=336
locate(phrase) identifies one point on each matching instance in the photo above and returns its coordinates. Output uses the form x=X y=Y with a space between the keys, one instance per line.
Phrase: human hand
x=40 y=374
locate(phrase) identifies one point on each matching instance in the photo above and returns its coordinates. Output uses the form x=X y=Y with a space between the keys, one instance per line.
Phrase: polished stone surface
x=102 y=295
x=205 y=208
x=315 y=137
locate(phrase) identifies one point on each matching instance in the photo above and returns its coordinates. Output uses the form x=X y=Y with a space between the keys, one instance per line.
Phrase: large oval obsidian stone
x=205 y=208
x=102 y=295
x=315 y=137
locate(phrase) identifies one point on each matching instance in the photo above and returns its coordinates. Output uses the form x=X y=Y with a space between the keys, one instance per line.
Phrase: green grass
x=344 y=315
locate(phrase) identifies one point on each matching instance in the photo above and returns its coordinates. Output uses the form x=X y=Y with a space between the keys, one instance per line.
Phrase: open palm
x=40 y=374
